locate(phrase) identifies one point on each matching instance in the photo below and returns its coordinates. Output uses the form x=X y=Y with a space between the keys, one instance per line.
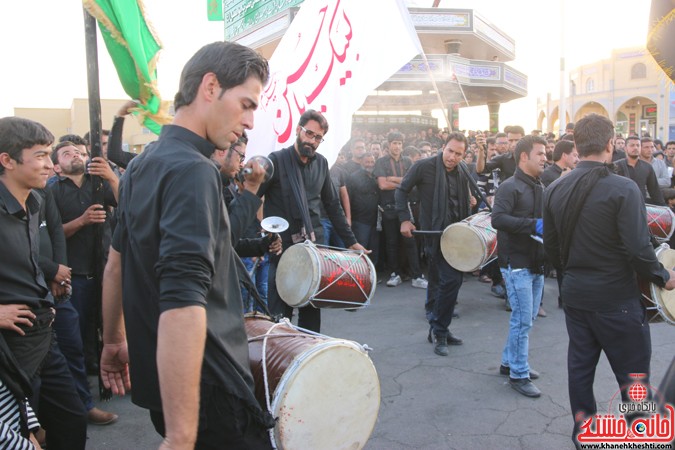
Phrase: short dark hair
x=592 y=133
x=526 y=144
x=562 y=147
x=668 y=193
x=669 y=143
x=316 y=116
x=421 y=144
x=395 y=136
x=103 y=133
x=231 y=63
x=570 y=126
x=74 y=139
x=457 y=136
x=633 y=137
x=17 y=134
x=490 y=140
x=411 y=151
x=500 y=135
x=515 y=129
x=646 y=139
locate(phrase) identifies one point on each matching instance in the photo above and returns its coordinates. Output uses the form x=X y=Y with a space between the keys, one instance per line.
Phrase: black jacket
x=514 y=216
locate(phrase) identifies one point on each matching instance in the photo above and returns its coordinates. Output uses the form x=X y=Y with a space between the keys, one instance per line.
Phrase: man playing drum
x=595 y=230
x=301 y=182
x=444 y=199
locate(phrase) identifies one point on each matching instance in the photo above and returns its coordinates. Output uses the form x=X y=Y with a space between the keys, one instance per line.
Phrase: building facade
x=629 y=88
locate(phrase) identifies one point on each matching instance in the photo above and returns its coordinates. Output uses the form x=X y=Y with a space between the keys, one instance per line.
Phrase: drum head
x=297 y=275
x=328 y=398
x=665 y=299
x=462 y=247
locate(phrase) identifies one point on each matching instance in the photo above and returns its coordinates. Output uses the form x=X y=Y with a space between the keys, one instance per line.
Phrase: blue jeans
x=259 y=277
x=524 y=290
x=330 y=237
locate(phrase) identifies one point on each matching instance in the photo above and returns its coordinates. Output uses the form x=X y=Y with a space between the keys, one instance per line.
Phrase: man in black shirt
x=389 y=171
x=641 y=172
x=188 y=350
x=505 y=162
x=595 y=230
x=28 y=341
x=444 y=199
x=73 y=194
x=300 y=186
x=565 y=158
x=516 y=216
x=363 y=194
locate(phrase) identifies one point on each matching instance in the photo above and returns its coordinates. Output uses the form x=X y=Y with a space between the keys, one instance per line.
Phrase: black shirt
x=319 y=190
x=506 y=163
x=609 y=245
x=644 y=176
x=174 y=238
x=72 y=202
x=21 y=280
x=363 y=196
x=52 y=239
x=551 y=173
x=387 y=167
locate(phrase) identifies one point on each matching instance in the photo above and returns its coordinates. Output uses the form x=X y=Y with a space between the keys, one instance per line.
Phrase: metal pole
x=562 y=121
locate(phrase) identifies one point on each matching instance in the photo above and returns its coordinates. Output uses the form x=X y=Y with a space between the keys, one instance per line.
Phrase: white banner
x=333 y=55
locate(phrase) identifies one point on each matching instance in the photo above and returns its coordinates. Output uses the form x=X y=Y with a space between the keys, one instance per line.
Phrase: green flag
x=134 y=49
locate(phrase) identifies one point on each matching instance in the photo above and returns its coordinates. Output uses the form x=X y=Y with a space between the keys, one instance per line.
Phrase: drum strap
x=577 y=199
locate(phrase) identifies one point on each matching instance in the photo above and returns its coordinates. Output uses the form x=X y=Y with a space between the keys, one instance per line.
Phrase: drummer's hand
x=472 y=201
x=275 y=247
x=670 y=285
x=358 y=246
x=253 y=180
x=407 y=228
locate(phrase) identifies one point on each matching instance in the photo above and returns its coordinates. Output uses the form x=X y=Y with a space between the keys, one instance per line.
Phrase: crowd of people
x=166 y=255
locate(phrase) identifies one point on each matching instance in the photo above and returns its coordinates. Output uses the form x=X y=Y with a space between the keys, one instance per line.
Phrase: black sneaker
x=506 y=370
x=525 y=386
x=441 y=347
x=454 y=340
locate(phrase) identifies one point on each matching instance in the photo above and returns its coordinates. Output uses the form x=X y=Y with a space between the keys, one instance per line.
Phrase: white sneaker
x=420 y=282
x=394 y=280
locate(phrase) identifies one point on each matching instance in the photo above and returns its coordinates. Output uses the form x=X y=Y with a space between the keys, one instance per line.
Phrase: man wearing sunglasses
x=306 y=185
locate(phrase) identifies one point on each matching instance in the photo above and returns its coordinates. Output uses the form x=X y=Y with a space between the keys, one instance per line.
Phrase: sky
x=44 y=61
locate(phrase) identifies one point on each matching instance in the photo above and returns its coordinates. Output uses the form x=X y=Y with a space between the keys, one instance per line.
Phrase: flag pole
x=97 y=183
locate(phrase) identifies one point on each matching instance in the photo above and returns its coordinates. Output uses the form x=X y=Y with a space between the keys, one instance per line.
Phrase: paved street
x=455 y=402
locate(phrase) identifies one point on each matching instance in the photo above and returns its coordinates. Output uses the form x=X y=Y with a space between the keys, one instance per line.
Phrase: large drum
x=661 y=222
x=324 y=393
x=660 y=303
x=326 y=277
x=470 y=244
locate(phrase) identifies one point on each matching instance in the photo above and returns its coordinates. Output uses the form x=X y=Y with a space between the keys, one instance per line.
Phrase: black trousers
x=309 y=317
x=58 y=405
x=623 y=334
x=391 y=227
x=224 y=423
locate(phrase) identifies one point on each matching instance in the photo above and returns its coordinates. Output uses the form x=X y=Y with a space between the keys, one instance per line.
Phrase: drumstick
x=427 y=232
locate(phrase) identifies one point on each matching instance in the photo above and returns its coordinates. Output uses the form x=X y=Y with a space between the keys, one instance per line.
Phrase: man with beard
x=505 y=162
x=640 y=171
x=517 y=215
x=73 y=193
x=300 y=185
x=444 y=199
x=619 y=149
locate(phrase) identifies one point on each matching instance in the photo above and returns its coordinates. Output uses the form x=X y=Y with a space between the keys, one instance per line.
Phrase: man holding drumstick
x=444 y=199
